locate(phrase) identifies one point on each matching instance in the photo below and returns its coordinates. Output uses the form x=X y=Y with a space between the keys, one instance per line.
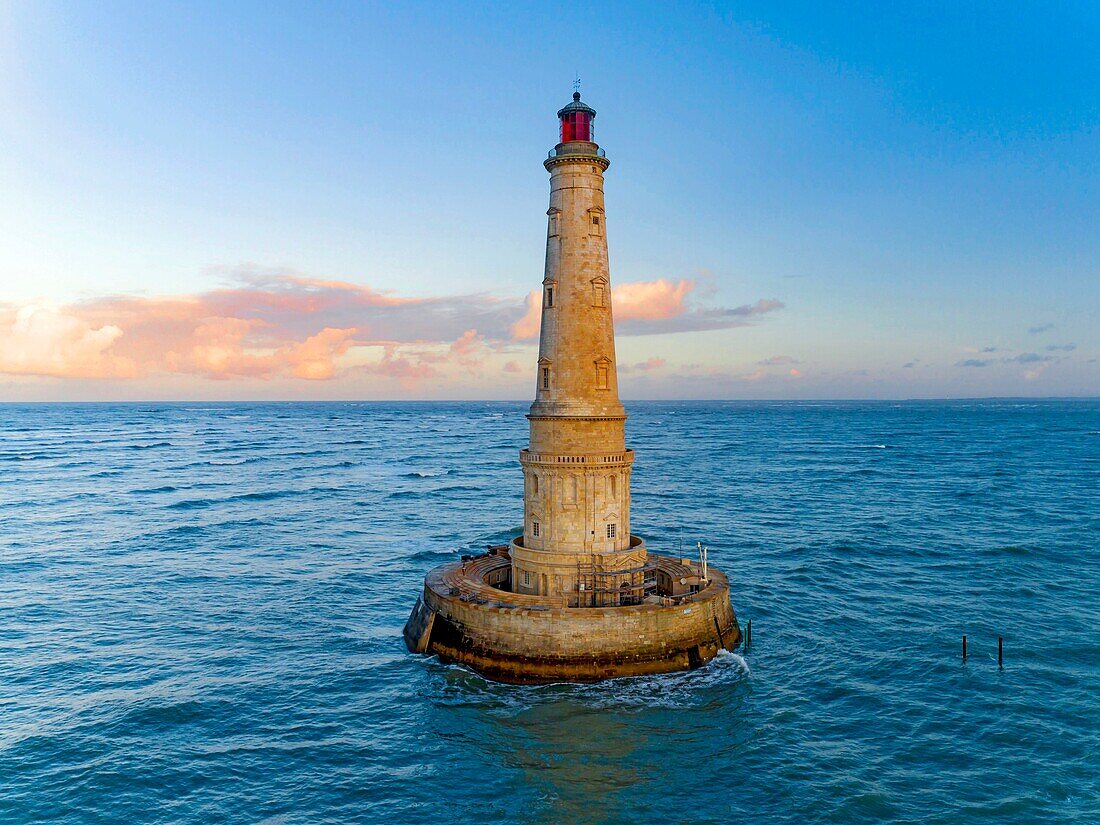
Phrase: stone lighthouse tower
x=576 y=539
x=576 y=596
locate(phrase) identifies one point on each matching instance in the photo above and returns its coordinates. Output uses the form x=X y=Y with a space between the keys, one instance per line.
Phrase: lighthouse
x=577 y=596
x=576 y=534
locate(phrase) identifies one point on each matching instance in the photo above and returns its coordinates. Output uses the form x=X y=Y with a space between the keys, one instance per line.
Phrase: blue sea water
x=201 y=606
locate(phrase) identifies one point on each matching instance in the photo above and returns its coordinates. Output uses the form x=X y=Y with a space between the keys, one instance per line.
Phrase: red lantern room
x=576 y=121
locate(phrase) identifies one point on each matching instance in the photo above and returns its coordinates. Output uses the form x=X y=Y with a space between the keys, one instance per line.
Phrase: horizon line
x=524 y=400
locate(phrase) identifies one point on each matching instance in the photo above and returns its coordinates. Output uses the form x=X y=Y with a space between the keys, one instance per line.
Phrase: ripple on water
x=202 y=608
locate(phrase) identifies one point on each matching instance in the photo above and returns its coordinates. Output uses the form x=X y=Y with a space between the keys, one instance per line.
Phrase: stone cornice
x=558 y=160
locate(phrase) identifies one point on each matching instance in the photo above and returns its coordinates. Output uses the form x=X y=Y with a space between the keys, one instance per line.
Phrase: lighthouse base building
x=577 y=596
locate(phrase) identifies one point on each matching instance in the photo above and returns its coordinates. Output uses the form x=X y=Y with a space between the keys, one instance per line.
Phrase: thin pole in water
x=964 y=648
x=1000 y=652
x=748 y=636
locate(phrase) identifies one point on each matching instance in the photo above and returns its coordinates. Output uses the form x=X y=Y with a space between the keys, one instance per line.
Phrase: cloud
x=270 y=324
x=1061 y=348
x=777 y=361
x=1035 y=330
x=652 y=308
x=513 y=366
x=651 y=300
x=527 y=327
x=699 y=319
x=38 y=339
x=1028 y=358
x=975 y=362
x=908 y=365
x=648 y=365
x=989 y=349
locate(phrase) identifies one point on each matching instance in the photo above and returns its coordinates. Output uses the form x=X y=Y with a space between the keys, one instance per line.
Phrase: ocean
x=201 y=609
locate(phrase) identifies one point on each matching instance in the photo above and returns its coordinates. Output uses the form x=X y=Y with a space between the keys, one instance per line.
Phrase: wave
x=147 y=446
x=200 y=503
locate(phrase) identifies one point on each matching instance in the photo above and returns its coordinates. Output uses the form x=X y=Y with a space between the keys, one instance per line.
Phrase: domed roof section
x=576 y=106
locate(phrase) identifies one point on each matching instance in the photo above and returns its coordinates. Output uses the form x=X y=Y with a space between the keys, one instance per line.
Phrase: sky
x=347 y=201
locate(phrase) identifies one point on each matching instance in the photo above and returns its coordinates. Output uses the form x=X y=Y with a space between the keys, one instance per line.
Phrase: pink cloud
x=37 y=339
x=650 y=300
x=272 y=325
x=644 y=366
x=527 y=327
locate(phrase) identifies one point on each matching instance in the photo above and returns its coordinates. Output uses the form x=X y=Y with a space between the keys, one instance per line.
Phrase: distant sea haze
x=201 y=607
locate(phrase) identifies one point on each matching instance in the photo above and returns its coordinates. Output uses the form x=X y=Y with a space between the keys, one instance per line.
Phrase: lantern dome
x=576 y=120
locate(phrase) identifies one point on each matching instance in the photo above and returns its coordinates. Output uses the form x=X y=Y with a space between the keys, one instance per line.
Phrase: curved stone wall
x=513 y=637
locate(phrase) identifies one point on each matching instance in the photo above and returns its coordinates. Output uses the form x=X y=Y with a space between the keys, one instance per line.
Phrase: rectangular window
x=599 y=298
x=611 y=531
x=535 y=529
x=595 y=220
x=549 y=296
x=546 y=378
x=601 y=377
x=526 y=578
x=534 y=485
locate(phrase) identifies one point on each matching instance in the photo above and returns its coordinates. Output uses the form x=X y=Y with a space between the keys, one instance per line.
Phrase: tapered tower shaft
x=577 y=469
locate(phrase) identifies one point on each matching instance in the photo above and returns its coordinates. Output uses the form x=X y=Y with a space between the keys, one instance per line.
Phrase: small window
x=553 y=223
x=535 y=529
x=546 y=378
x=601 y=377
x=526 y=578
x=597 y=223
x=549 y=296
x=534 y=485
x=611 y=531
x=613 y=486
x=599 y=299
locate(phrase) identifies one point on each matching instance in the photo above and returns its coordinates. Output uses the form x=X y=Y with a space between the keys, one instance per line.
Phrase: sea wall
x=513 y=638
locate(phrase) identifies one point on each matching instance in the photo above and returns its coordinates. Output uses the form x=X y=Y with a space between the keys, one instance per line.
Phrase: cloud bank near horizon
x=284 y=325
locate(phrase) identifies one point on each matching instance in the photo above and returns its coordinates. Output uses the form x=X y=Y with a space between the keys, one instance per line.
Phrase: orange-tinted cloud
x=289 y=326
x=37 y=339
x=527 y=327
x=651 y=300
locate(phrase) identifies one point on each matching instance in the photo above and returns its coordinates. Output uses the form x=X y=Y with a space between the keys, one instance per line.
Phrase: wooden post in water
x=748 y=636
x=964 y=648
x=1000 y=652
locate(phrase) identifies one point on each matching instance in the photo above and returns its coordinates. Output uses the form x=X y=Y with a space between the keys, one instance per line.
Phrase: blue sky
x=917 y=186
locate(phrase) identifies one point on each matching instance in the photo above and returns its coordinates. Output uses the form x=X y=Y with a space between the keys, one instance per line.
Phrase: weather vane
x=577 y=84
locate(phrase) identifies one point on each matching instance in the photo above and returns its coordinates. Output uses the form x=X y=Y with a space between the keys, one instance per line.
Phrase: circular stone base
x=512 y=637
